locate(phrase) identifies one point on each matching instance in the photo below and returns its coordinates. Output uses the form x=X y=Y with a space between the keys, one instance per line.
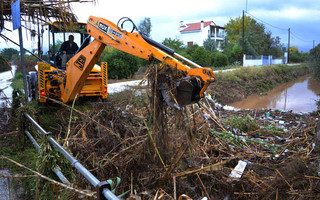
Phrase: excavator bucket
x=187 y=91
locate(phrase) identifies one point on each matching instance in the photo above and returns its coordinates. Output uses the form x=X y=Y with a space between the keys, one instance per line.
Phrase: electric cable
x=267 y=22
x=299 y=38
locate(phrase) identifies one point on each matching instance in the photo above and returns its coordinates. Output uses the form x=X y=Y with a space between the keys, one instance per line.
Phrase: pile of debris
x=200 y=151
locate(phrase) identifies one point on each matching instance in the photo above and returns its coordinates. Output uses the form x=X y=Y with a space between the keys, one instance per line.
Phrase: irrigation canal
x=300 y=95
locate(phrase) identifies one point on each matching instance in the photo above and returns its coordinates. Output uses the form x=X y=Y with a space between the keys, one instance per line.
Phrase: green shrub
x=220 y=60
x=121 y=65
x=29 y=62
x=201 y=57
x=295 y=58
x=315 y=58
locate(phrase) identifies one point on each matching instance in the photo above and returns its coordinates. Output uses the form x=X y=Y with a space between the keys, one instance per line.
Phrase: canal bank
x=233 y=86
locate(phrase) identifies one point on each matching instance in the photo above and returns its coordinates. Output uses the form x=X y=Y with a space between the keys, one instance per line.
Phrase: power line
x=299 y=38
x=267 y=23
x=293 y=34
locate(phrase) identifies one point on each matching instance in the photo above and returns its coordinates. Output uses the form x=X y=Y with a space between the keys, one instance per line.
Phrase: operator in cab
x=68 y=49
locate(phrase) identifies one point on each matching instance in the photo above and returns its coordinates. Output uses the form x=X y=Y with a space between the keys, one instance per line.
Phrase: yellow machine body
x=51 y=79
x=80 y=76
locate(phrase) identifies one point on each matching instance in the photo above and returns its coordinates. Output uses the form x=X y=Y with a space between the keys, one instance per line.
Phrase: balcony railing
x=218 y=36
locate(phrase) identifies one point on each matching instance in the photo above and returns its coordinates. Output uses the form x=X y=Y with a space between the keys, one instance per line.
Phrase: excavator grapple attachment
x=187 y=91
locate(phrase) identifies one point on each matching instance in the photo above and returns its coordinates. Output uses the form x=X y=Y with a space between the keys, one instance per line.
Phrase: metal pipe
x=75 y=163
x=42 y=131
x=55 y=170
x=168 y=50
x=34 y=142
x=92 y=179
x=109 y=195
x=61 y=176
x=187 y=60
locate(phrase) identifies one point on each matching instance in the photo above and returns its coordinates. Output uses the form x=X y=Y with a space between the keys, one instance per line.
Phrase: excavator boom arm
x=107 y=33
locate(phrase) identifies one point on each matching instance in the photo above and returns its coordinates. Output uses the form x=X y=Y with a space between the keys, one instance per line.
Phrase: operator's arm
x=74 y=47
x=63 y=47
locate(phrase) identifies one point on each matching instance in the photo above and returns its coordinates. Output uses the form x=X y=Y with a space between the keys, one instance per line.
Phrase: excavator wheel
x=32 y=85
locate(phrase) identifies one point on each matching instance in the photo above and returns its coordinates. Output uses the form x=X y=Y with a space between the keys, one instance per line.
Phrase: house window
x=190 y=44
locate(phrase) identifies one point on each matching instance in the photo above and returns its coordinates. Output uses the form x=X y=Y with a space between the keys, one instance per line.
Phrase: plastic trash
x=238 y=170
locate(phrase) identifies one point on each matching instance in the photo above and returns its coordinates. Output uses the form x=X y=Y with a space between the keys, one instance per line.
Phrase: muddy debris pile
x=202 y=150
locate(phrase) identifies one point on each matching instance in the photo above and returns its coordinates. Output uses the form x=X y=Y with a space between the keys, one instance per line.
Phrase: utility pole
x=242 y=37
x=288 y=44
x=16 y=24
x=39 y=38
x=313 y=43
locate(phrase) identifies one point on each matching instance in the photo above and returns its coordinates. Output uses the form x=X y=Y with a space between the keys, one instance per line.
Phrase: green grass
x=244 y=124
x=18 y=148
x=17 y=82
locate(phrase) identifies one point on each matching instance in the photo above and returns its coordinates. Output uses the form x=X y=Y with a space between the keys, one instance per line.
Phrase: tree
x=174 y=44
x=9 y=53
x=257 y=40
x=145 y=26
x=277 y=48
x=295 y=55
x=209 y=44
x=315 y=58
x=234 y=28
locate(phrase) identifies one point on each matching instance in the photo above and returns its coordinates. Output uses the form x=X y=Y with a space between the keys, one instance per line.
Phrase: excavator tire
x=32 y=85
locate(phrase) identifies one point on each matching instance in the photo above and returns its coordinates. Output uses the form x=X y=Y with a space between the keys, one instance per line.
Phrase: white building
x=196 y=33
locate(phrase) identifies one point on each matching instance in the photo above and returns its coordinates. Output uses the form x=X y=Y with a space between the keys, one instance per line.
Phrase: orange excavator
x=64 y=85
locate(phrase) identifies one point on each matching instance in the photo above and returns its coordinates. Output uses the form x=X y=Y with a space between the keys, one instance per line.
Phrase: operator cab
x=58 y=33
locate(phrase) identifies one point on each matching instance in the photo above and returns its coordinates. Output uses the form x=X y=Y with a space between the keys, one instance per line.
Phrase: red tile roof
x=197 y=26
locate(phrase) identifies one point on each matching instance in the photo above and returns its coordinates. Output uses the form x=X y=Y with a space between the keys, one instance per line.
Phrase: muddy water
x=6 y=90
x=299 y=96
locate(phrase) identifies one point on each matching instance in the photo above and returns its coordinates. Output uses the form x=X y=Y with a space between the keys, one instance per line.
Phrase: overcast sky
x=301 y=16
